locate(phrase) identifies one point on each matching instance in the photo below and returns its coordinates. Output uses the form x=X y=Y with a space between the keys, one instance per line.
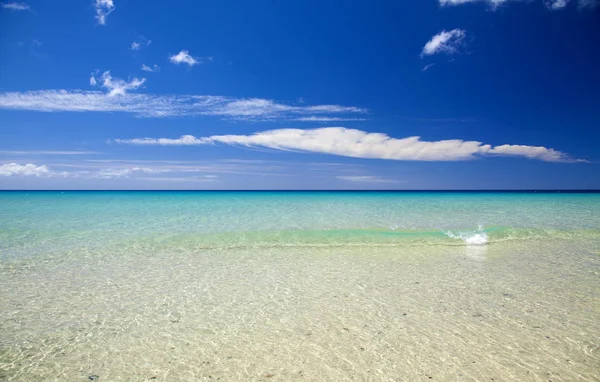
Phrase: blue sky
x=432 y=94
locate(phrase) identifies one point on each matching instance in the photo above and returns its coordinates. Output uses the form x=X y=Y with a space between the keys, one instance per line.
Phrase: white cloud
x=16 y=6
x=366 y=179
x=30 y=169
x=149 y=105
x=184 y=57
x=444 y=42
x=551 y=4
x=135 y=46
x=532 y=152
x=360 y=144
x=103 y=8
x=153 y=68
x=426 y=67
x=116 y=86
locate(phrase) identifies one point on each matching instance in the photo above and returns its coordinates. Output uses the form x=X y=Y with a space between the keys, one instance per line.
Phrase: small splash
x=477 y=237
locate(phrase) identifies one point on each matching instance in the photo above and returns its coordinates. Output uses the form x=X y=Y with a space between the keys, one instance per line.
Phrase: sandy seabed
x=518 y=311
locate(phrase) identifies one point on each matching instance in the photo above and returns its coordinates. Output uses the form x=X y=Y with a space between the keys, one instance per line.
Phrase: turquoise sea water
x=299 y=285
x=47 y=221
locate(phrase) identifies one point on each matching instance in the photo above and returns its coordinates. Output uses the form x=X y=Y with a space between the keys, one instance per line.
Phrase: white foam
x=477 y=237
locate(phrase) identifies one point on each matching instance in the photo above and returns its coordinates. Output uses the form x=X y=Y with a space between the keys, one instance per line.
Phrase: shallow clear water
x=299 y=285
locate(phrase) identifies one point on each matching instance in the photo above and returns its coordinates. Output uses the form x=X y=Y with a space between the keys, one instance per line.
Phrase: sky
x=222 y=94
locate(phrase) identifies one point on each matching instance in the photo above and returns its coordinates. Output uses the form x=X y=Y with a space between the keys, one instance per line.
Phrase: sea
x=307 y=286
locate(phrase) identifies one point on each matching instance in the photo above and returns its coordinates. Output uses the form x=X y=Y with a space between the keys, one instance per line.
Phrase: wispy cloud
x=314 y=118
x=141 y=42
x=151 y=69
x=16 y=6
x=366 y=179
x=110 y=173
x=116 y=86
x=360 y=144
x=184 y=57
x=426 y=67
x=103 y=8
x=204 y=178
x=444 y=42
x=150 y=105
x=551 y=4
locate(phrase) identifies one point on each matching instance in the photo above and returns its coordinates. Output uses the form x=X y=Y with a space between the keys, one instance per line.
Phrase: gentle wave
x=33 y=245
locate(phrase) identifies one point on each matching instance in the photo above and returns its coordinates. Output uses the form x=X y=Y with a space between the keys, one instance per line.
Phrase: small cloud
x=16 y=6
x=30 y=169
x=140 y=42
x=184 y=57
x=116 y=86
x=444 y=42
x=426 y=67
x=103 y=8
x=153 y=68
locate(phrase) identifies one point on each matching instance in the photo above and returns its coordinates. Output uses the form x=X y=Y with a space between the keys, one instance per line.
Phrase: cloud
x=110 y=173
x=532 y=152
x=153 y=68
x=14 y=169
x=366 y=179
x=426 y=67
x=551 y=4
x=184 y=57
x=205 y=178
x=493 y=3
x=103 y=8
x=142 y=41
x=360 y=144
x=314 y=118
x=116 y=86
x=44 y=152
x=444 y=42
x=16 y=6
x=150 y=105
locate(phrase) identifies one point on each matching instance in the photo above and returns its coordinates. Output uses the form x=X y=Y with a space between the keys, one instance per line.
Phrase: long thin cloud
x=551 y=4
x=152 y=105
x=360 y=144
x=45 y=152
